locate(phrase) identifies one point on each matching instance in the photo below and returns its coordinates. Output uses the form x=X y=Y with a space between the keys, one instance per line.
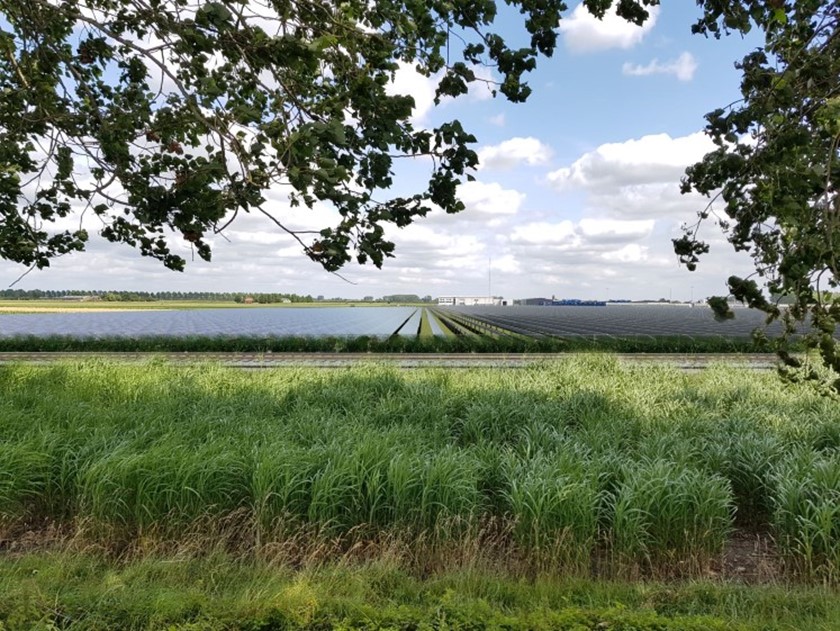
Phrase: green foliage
x=149 y=296
x=544 y=467
x=165 y=121
x=806 y=511
x=555 y=502
x=666 y=511
x=216 y=592
x=776 y=171
x=367 y=344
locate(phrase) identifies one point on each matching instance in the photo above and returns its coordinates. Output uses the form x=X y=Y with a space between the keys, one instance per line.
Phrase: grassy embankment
x=424 y=342
x=571 y=472
x=219 y=592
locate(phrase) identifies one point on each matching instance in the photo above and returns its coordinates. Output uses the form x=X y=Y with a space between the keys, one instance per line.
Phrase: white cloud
x=498 y=120
x=630 y=253
x=545 y=233
x=650 y=159
x=683 y=68
x=584 y=33
x=407 y=81
x=646 y=200
x=514 y=152
x=485 y=85
x=437 y=256
x=490 y=198
x=611 y=231
x=592 y=235
x=507 y=264
x=628 y=196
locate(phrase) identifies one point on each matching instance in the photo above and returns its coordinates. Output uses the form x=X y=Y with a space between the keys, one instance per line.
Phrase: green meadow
x=141 y=496
x=424 y=342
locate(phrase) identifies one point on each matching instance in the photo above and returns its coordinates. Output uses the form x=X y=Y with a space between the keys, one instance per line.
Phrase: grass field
x=219 y=592
x=581 y=471
x=449 y=343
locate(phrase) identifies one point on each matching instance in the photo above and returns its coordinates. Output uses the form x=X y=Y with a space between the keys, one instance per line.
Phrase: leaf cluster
x=166 y=119
x=774 y=176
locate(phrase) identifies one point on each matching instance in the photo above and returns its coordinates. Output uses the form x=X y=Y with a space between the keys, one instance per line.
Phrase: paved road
x=402 y=360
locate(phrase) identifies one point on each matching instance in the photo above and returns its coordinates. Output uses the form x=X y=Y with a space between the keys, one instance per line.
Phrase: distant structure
x=575 y=302
x=411 y=298
x=535 y=302
x=561 y=302
x=471 y=301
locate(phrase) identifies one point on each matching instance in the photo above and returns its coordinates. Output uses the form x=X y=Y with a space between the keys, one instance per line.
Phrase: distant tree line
x=150 y=296
x=265 y=299
x=406 y=298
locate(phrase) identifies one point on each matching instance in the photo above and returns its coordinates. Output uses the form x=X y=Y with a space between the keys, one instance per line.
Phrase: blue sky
x=577 y=195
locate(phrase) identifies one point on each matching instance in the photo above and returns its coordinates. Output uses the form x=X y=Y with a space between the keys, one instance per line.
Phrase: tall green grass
x=549 y=466
x=425 y=343
x=806 y=511
x=667 y=513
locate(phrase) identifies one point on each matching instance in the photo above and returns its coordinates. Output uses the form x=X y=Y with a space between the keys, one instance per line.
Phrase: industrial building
x=562 y=302
x=471 y=301
x=540 y=302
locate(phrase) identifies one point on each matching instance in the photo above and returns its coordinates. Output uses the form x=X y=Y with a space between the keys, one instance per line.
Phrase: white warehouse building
x=471 y=301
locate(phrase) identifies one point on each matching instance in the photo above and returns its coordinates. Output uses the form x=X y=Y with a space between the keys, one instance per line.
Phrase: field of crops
x=577 y=468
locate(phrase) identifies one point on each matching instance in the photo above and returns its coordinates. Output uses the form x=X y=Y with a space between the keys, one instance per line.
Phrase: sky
x=577 y=194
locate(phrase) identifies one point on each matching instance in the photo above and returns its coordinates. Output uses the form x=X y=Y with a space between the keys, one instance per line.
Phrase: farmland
x=583 y=470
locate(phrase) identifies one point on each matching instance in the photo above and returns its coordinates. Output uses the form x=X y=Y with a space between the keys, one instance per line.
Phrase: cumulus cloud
x=589 y=234
x=611 y=231
x=507 y=264
x=605 y=230
x=490 y=198
x=627 y=194
x=545 y=233
x=683 y=68
x=646 y=200
x=407 y=81
x=650 y=159
x=514 y=152
x=584 y=33
x=630 y=253
x=434 y=256
x=584 y=258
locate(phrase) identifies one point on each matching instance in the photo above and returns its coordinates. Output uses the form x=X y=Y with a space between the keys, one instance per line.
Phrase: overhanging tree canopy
x=776 y=170
x=166 y=118
x=169 y=117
